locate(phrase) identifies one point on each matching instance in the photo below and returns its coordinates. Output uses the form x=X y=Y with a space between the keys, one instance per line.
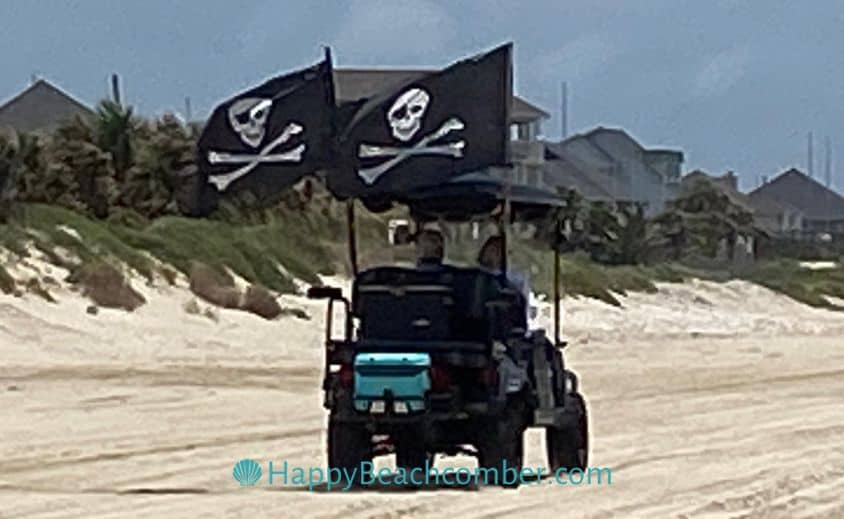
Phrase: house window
x=527 y=131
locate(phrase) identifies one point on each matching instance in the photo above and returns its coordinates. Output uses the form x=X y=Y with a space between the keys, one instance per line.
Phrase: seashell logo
x=246 y=472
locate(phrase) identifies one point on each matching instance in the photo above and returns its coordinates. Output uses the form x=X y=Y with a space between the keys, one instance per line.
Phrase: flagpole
x=557 y=279
x=508 y=180
x=353 y=242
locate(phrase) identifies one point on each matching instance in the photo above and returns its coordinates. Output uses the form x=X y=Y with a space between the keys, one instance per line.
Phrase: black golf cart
x=441 y=360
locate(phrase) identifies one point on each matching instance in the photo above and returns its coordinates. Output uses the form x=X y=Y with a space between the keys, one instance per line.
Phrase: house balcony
x=529 y=153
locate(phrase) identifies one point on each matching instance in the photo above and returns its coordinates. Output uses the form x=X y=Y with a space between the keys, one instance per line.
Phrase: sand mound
x=106 y=286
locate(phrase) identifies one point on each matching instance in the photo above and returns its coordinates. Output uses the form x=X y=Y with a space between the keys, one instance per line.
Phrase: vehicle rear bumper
x=390 y=417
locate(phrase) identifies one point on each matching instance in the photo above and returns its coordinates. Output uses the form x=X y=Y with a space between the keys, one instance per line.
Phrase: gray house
x=41 y=106
x=796 y=201
x=623 y=169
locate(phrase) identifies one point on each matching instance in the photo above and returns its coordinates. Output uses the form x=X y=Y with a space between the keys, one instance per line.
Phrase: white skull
x=405 y=116
x=248 y=116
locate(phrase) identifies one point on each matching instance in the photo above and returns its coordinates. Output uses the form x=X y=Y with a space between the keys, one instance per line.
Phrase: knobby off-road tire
x=502 y=442
x=568 y=448
x=349 y=445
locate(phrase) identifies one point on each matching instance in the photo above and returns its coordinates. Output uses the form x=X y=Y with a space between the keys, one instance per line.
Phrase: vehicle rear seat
x=444 y=303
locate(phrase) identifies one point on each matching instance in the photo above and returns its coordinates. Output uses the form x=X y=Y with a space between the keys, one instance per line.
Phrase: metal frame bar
x=353 y=241
x=556 y=294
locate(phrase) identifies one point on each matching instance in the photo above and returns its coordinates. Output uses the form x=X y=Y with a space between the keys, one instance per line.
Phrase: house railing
x=531 y=153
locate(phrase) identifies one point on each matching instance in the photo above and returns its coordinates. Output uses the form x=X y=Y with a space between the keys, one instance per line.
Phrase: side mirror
x=324 y=293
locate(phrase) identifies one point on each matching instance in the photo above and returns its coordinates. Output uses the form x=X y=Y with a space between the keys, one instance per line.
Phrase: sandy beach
x=706 y=400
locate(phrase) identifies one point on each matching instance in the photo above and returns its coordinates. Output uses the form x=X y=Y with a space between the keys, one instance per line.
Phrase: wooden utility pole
x=564 y=111
x=115 y=89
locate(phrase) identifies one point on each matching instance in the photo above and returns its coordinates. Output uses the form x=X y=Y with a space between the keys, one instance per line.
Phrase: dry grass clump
x=219 y=288
x=213 y=286
x=260 y=301
x=106 y=286
x=34 y=286
x=7 y=282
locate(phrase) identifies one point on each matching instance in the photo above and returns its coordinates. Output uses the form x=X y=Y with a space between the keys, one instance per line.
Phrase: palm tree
x=114 y=129
x=9 y=170
x=21 y=161
x=700 y=220
x=164 y=148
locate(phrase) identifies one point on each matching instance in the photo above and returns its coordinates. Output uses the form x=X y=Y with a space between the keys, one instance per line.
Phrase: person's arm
x=519 y=281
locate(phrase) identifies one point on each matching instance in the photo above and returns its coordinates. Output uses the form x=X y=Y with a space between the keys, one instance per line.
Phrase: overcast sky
x=735 y=85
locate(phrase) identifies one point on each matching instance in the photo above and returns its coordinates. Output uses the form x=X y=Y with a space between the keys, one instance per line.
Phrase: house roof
x=764 y=205
x=42 y=105
x=796 y=189
x=559 y=149
x=594 y=185
x=607 y=151
x=352 y=84
x=610 y=151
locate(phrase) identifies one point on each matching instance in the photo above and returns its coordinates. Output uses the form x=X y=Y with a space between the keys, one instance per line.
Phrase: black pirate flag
x=426 y=130
x=266 y=139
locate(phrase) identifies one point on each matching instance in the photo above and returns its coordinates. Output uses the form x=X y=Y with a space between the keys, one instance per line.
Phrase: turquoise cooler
x=405 y=375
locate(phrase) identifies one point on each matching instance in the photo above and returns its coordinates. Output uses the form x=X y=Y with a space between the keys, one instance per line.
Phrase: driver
x=430 y=249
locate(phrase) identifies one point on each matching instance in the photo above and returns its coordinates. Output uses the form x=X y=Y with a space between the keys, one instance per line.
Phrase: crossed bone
x=399 y=155
x=252 y=161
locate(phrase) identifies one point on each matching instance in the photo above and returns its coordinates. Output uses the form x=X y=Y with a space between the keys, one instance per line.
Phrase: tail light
x=488 y=376
x=346 y=375
x=440 y=379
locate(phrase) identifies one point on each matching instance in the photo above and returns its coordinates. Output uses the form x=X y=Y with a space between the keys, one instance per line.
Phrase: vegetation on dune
x=252 y=251
x=106 y=191
x=580 y=276
x=34 y=286
x=802 y=284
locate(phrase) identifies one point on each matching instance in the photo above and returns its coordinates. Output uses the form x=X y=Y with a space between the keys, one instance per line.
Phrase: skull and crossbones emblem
x=248 y=118
x=405 y=118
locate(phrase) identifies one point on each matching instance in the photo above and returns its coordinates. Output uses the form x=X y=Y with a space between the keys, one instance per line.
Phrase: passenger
x=430 y=248
x=491 y=257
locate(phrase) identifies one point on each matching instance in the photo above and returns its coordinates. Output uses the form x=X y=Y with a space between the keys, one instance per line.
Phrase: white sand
x=706 y=400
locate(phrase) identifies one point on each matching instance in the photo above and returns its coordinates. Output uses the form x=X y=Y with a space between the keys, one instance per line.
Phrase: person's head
x=430 y=247
x=491 y=255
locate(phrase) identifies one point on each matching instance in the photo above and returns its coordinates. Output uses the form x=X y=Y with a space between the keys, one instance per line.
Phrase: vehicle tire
x=568 y=448
x=349 y=445
x=501 y=446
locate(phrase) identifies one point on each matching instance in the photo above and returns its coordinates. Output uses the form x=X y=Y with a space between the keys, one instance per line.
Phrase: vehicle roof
x=477 y=194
